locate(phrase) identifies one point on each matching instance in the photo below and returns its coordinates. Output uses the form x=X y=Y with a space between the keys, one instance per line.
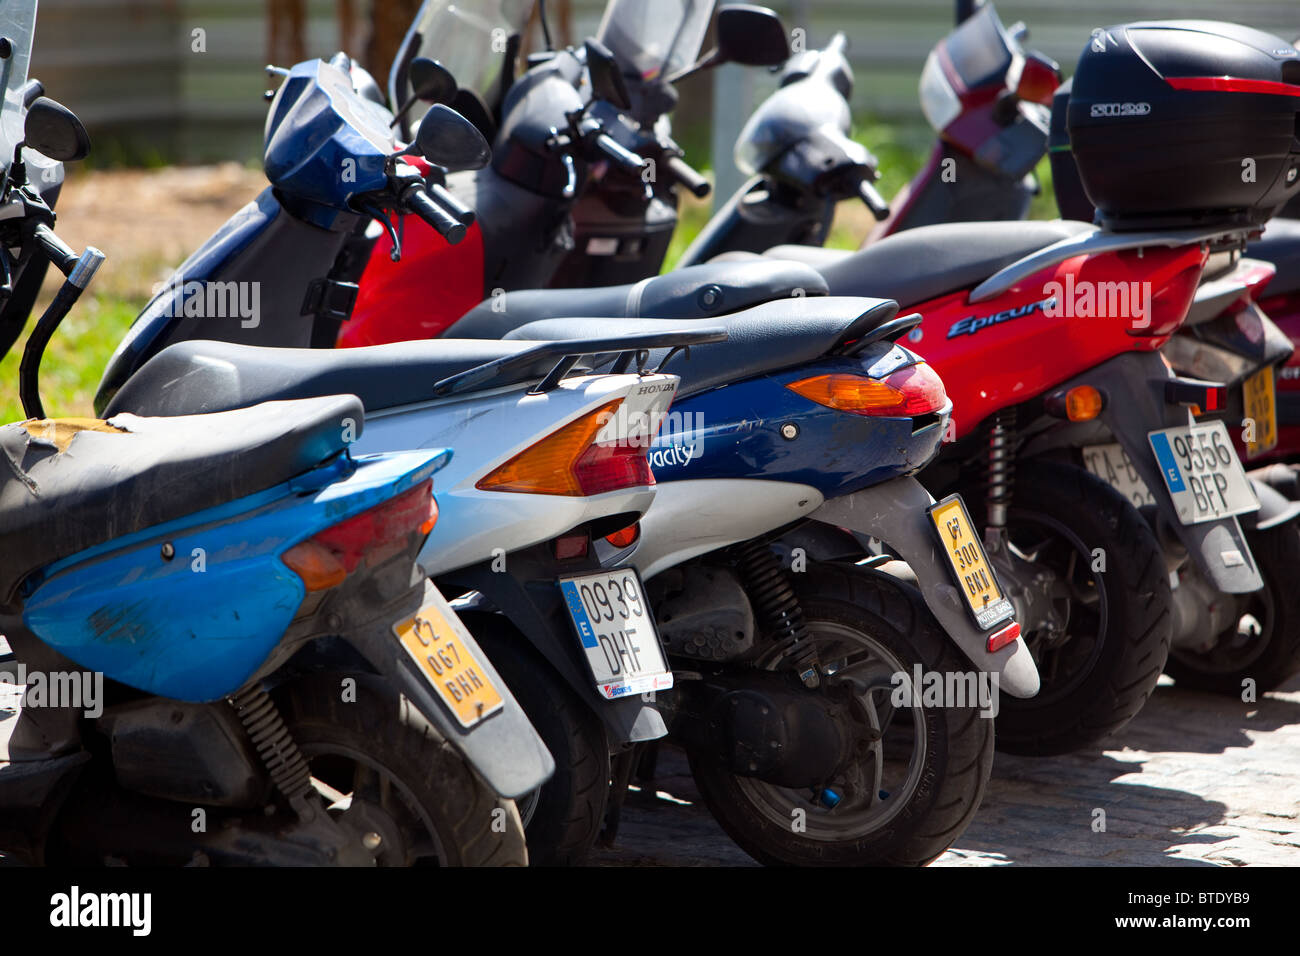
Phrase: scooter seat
x=766 y=338
x=1280 y=245
x=919 y=264
x=202 y=376
x=696 y=292
x=70 y=485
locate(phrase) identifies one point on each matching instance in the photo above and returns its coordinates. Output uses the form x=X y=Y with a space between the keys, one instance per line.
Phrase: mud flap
x=503 y=747
x=895 y=512
x=1134 y=386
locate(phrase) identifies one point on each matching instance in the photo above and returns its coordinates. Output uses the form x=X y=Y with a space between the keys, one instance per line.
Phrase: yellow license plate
x=1260 y=401
x=970 y=566
x=451 y=668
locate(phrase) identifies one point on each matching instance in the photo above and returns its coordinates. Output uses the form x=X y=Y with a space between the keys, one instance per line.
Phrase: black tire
x=1270 y=656
x=953 y=769
x=1099 y=676
x=443 y=810
x=564 y=817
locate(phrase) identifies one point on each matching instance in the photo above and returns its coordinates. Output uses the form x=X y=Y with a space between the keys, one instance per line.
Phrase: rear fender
x=1134 y=386
x=895 y=512
x=529 y=597
x=504 y=748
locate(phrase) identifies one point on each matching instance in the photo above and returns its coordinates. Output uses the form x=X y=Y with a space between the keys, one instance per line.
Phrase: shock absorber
x=275 y=745
x=777 y=607
x=1000 y=466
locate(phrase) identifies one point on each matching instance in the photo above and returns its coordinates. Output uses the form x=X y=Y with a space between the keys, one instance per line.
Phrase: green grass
x=75 y=358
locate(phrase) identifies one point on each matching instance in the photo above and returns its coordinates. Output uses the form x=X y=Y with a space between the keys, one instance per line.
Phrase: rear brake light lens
x=1000 y=639
x=915 y=390
x=570 y=462
x=1169 y=304
x=625 y=537
x=376 y=534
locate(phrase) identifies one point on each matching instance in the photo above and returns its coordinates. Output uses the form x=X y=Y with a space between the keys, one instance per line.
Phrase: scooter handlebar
x=449 y=202
x=875 y=202
x=680 y=170
x=624 y=158
x=418 y=201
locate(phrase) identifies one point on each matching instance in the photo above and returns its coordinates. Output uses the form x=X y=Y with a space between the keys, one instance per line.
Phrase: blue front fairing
x=736 y=431
x=196 y=627
x=324 y=143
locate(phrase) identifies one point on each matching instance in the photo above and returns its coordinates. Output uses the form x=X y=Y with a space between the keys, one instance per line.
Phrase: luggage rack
x=1099 y=241
x=624 y=350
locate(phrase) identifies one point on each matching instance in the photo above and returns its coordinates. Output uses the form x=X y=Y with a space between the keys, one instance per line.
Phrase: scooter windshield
x=468 y=37
x=655 y=37
x=17 y=25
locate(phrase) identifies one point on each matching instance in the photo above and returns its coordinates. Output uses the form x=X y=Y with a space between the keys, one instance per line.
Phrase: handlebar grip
x=628 y=160
x=875 y=202
x=449 y=202
x=444 y=223
x=688 y=177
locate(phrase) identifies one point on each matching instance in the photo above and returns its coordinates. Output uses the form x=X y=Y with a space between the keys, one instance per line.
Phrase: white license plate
x=1202 y=472
x=617 y=632
x=1112 y=465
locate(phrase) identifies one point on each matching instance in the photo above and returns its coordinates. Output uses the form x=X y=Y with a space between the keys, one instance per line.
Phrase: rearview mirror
x=748 y=35
x=451 y=141
x=431 y=81
x=53 y=130
x=606 y=78
x=751 y=36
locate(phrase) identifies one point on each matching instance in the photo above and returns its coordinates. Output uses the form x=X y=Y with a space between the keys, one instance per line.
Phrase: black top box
x=1181 y=123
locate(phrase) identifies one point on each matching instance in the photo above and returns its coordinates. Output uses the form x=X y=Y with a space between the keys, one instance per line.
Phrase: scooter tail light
x=376 y=534
x=1169 y=304
x=625 y=537
x=1001 y=638
x=570 y=462
x=915 y=390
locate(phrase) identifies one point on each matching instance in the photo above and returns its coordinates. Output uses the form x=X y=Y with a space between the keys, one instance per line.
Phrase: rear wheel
x=1100 y=637
x=1263 y=644
x=385 y=771
x=563 y=817
x=918 y=773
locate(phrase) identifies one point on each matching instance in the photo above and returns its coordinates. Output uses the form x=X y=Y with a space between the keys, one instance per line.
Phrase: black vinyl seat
x=766 y=338
x=1280 y=245
x=696 y=292
x=69 y=488
x=922 y=263
x=189 y=378
x=929 y=261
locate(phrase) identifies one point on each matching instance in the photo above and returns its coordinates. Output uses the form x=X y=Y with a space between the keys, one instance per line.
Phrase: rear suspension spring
x=1000 y=466
x=777 y=607
x=276 y=747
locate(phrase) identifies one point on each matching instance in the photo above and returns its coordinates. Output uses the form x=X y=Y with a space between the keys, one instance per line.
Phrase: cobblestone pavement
x=1194 y=780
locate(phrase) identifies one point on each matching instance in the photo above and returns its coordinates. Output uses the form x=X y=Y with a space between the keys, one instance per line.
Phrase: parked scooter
x=223 y=646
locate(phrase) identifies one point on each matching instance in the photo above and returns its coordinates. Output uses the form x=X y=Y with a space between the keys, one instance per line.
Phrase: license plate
x=451 y=668
x=1202 y=472
x=970 y=566
x=617 y=632
x=1260 y=402
x=1112 y=465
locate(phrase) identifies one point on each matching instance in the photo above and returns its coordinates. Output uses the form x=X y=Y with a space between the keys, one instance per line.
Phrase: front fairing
x=324 y=143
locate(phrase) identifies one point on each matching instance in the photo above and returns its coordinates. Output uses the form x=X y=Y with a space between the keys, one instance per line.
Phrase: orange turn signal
x=549 y=467
x=1083 y=403
x=318 y=566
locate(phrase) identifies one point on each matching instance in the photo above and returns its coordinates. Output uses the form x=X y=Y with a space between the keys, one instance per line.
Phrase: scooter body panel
x=146 y=620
